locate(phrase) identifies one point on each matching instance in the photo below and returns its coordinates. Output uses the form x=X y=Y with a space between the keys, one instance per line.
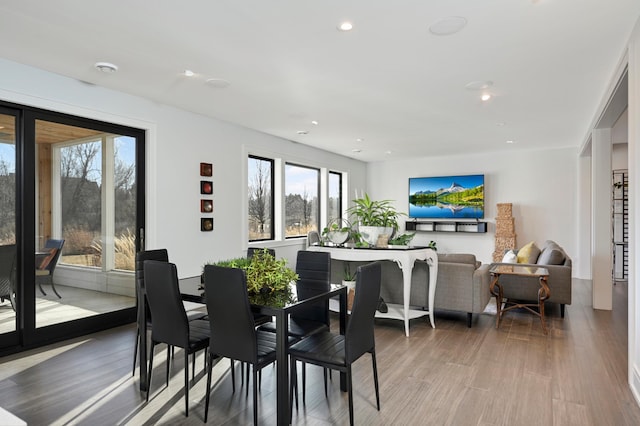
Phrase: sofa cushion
x=529 y=253
x=551 y=256
x=457 y=258
x=510 y=257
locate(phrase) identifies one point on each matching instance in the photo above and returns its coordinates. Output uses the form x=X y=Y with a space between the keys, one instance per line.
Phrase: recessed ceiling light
x=485 y=97
x=302 y=132
x=479 y=85
x=345 y=26
x=447 y=26
x=106 y=67
x=189 y=73
x=359 y=140
x=510 y=141
x=314 y=122
x=501 y=124
x=356 y=150
x=218 y=83
x=388 y=152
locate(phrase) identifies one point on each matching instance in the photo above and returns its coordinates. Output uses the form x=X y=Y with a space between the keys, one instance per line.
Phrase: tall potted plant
x=374 y=218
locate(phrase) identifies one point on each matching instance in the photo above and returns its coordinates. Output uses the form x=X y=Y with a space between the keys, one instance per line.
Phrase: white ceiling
x=389 y=81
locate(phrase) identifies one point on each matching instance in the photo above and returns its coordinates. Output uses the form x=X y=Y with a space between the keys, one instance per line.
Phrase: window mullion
x=108 y=203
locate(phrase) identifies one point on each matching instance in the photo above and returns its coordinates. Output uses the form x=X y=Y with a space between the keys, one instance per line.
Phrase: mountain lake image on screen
x=446 y=197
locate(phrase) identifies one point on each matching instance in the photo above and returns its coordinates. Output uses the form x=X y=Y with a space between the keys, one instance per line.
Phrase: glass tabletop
x=287 y=300
x=515 y=269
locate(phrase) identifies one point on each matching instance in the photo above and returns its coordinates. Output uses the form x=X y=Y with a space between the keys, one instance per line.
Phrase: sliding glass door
x=80 y=212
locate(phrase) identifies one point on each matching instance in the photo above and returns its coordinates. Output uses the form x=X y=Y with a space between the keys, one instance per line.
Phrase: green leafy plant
x=370 y=212
x=265 y=274
x=402 y=239
x=432 y=245
x=348 y=275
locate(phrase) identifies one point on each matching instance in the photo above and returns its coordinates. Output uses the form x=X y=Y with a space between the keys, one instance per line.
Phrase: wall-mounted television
x=446 y=197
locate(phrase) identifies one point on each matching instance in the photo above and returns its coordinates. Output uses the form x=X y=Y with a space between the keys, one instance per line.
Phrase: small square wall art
x=206 y=169
x=206 y=206
x=206 y=187
x=206 y=224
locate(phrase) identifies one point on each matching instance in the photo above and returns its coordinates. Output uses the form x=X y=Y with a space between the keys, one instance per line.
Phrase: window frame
x=279 y=197
x=318 y=192
x=272 y=162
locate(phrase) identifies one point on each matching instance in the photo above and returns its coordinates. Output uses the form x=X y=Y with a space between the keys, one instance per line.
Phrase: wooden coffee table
x=541 y=274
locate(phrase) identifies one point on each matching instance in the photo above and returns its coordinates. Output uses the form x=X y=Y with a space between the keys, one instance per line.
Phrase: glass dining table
x=278 y=307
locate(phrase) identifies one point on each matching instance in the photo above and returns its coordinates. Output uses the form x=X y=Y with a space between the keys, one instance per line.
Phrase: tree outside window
x=301 y=200
x=260 y=198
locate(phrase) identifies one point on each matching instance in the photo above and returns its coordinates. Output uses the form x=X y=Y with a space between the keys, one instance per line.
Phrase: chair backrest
x=313 y=238
x=252 y=250
x=53 y=244
x=233 y=333
x=170 y=323
x=160 y=255
x=314 y=272
x=359 y=336
x=7 y=269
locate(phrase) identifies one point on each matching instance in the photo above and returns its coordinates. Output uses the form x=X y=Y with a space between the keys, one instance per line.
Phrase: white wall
x=634 y=212
x=541 y=185
x=177 y=141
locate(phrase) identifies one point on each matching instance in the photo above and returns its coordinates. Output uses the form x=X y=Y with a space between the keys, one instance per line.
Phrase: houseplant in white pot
x=374 y=218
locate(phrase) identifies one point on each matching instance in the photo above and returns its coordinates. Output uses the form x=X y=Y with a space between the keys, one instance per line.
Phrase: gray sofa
x=463 y=284
x=551 y=256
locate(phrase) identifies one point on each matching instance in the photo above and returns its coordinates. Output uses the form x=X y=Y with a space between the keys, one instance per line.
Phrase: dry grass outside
x=125 y=253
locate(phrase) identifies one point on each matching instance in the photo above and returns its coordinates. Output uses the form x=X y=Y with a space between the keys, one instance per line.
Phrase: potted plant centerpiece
x=267 y=277
x=374 y=218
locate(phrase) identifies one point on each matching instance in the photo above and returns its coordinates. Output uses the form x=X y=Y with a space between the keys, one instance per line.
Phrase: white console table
x=405 y=258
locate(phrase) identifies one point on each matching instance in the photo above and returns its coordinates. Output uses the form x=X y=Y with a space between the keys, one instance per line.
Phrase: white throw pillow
x=510 y=257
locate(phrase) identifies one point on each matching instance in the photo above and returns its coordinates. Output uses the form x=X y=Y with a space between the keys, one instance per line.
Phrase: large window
x=335 y=195
x=93 y=172
x=260 y=199
x=285 y=199
x=301 y=188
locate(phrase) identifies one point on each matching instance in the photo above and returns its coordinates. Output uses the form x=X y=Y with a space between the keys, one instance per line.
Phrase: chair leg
x=469 y=318
x=193 y=367
x=168 y=362
x=304 y=383
x=40 y=287
x=350 y=391
x=375 y=377
x=293 y=387
x=562 y=310
x=153 y=345
x=53 y=287
x=209 y=368
x=135 y=351
x=186 y=382
x=325 y=382
x=255 y=394
x=246 y=390
x=233 y=376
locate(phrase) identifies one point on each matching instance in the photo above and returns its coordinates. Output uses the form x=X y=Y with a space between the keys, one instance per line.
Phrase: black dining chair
x=314 y=277
x=47 y=265
x=170 y=322
x=339 y=352
x=160 y=255
x=233 y=332
x=314 y=272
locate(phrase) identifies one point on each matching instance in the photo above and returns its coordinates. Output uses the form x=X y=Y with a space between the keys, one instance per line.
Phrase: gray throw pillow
x=551 y=256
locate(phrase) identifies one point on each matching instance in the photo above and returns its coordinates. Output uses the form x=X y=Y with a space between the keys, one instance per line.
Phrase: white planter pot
x=370 y=233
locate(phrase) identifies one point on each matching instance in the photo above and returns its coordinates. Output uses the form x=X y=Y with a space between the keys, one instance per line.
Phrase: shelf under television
x=433 y=225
